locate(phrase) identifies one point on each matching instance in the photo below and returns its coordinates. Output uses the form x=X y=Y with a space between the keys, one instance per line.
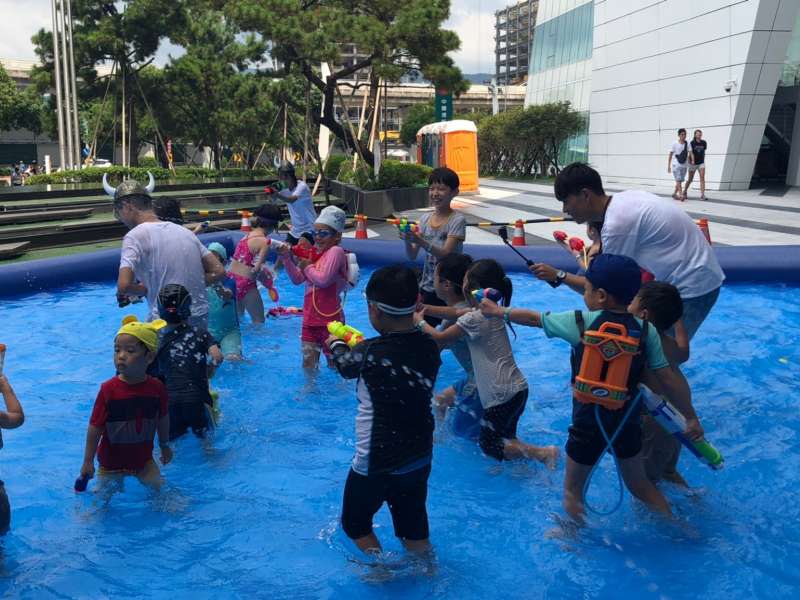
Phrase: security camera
x=729 y=85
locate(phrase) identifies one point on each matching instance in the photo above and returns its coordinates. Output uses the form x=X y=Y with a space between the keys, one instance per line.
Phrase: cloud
x=472 y=20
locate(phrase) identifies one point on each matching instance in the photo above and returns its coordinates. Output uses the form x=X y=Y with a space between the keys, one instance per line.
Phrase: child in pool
x=396 y=372
x=298 y=199
x=182 y=363
x=612 y=281
x=248 y=258
x=502 y=388
x=325 y=279
x=130 y=409
x=223 y=318
x=660 y=303
x=461 y=397
x=10 y=418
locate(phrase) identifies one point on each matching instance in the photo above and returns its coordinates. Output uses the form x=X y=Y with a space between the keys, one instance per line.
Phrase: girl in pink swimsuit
x=325 y=279
x=249 y=256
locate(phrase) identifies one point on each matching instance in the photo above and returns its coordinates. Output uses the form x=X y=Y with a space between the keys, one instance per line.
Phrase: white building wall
x=659 y=65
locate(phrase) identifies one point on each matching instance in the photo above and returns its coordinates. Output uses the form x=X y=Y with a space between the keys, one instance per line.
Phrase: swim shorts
x=586 y=444
x=5 y=510
x=188 y=415
x=405 y=494
x=316 y=334
x=500 y=424
x=231 y=343
x=467 y=411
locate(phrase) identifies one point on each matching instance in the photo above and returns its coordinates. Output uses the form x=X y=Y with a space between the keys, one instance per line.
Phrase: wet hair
x=267 y=215
x=681 y=130
x=662 y=302
x=453 y=267
x=137 y=201
x=395 y=285
x=487 y=273
x=444 y=176
x=174 y=303
x=168 y=209
x=576 y=177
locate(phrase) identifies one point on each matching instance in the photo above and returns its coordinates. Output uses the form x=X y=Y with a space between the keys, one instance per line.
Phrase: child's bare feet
x=548 y=455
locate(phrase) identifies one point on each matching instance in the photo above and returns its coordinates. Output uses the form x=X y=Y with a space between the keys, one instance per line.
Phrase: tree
x=418 y=116
x=19 y=109
x=394 y=38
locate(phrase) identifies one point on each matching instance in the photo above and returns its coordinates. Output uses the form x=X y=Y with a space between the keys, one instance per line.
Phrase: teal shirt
x=222 y=317
x=562 y=325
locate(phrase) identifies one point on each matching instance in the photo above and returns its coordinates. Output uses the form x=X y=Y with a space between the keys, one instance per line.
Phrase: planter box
x=379 y=203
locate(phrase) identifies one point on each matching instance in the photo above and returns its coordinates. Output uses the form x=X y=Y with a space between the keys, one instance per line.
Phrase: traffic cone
x=361 y=227
x=703 y=225
x=519 y=233
x=246 y=221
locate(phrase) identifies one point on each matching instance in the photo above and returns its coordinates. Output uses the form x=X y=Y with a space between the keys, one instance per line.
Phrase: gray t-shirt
x=456 y=226
x=496 y=373
x=461 y=351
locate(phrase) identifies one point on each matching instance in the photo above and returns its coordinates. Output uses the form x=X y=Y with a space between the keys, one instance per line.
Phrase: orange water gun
x=349 y=335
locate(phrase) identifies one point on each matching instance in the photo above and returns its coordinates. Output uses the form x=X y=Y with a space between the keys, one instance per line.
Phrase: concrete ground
x=741 y=218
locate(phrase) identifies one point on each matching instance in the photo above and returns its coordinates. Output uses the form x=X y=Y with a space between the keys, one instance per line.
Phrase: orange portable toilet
x=452 y=144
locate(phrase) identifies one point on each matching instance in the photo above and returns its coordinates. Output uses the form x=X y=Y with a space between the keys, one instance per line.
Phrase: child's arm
x=13 y=416
x=676 y=388
x=520 y=316
x=92 y=439
x=442 y=338
x=347 y=361
x=295 y=273
x=445 y=312
x=327 y=270
x=216 y=354
x=261 y=257
x=163 y=440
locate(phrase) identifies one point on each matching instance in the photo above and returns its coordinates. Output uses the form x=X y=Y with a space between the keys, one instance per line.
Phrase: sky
x=473 y=20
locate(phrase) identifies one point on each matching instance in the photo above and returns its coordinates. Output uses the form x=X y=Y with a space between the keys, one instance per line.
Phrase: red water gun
x=560 y=236
x=306 y=252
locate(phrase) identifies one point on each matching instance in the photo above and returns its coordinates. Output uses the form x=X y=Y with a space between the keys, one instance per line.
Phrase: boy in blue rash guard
x=394 y=424
x=223 y=320
x=612 y=281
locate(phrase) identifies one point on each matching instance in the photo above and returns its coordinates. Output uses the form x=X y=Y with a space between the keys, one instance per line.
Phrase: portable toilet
x=452 y=144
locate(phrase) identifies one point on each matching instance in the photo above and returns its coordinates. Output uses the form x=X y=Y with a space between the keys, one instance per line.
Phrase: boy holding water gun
x=10 y=418
x=612 y=281
x=130 y=409
x=396 y=372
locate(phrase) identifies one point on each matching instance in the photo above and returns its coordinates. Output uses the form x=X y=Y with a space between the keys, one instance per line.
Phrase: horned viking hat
x=129 y=187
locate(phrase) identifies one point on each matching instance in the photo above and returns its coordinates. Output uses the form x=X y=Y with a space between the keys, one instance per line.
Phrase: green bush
x=116 y=174
x=393 y=174
x=148 y=162
x=335 y=165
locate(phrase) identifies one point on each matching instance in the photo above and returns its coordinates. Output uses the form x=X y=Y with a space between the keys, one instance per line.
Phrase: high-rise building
x=641 y=70
x=513 y=37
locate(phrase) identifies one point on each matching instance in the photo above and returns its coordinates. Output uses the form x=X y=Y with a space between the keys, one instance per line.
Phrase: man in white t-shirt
x=298 y=199
x=678 y=161
x=157 y=253
x=655 y=233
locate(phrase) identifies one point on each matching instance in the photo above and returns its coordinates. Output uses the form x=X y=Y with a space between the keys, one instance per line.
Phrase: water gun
x=490 y=293
x=576 y=244
x=266 y=277
x=675 y=423
x=280 y=312
x=306 y=252
x=273 y=188
x=81 y=483
x=349 y=335
x=404 y=226
x=124 y=300
x=560 y=236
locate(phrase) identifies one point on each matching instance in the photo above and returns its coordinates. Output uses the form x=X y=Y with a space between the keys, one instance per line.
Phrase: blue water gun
x=490 y=293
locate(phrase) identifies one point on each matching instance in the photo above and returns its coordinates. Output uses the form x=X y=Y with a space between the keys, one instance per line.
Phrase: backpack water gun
x=674 y=422
x=349 y=335
x=606 y=365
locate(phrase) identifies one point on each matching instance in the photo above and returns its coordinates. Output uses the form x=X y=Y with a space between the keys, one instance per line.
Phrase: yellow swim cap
x=147 y=333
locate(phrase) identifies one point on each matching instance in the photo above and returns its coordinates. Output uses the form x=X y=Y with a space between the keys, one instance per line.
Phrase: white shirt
x=301 y=210
x=160 y=253
x=663 y=239
x=676 y=149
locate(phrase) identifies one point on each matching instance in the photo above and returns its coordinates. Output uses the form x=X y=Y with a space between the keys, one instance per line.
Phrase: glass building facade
x=563 y=40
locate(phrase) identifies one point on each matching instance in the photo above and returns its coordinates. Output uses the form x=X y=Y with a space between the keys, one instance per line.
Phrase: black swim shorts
x=586 y=443
x=405 y=494
x=500 y=424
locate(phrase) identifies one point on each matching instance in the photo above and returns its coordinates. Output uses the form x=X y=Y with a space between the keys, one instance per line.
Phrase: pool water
x=255 y=513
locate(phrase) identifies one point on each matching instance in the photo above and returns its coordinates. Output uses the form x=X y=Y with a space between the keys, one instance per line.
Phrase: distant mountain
x=479 y=78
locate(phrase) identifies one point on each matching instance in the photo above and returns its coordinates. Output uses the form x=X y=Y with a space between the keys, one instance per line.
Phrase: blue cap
x=618 y=275
x=219 y=249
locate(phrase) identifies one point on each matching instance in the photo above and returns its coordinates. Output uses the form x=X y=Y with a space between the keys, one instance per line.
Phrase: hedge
x=115 y=174
x=393 y=174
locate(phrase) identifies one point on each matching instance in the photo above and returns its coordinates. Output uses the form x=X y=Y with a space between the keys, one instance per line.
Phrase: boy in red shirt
x=130 y=408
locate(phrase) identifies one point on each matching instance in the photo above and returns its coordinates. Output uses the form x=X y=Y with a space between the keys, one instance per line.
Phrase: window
x=563 y=40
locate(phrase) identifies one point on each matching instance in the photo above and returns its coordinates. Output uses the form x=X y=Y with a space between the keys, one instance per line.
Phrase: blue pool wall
x=742 y=264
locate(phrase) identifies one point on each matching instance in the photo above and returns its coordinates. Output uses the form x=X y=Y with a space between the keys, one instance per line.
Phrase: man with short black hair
x=158 y=253
x=680 y=157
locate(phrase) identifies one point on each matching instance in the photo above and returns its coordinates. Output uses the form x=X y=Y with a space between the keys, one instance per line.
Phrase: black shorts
x=405 y=494
x=500 y=423
x=586 y=443
x=184 y=416
x=292 y=241
x=431 y=298
x=5 y=510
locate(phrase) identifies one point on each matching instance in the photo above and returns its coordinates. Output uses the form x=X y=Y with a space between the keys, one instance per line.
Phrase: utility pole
x=59 y=96
x=65 y=70
x=73 y=85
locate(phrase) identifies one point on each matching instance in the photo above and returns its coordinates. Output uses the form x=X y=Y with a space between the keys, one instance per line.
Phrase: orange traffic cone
x=246 y=221
x=361 y=227
x=703 y=225
x=519 y=233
